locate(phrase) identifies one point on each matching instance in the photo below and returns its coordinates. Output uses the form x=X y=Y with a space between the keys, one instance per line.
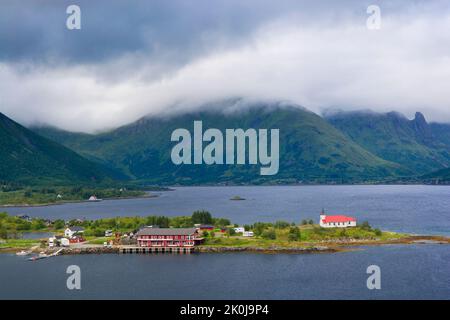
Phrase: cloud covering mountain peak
x=141 y=60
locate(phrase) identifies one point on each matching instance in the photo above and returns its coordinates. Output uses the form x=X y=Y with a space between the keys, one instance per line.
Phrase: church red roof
x=335 y=219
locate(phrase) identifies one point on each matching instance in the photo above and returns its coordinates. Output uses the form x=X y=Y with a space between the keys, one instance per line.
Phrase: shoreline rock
x=315 y=249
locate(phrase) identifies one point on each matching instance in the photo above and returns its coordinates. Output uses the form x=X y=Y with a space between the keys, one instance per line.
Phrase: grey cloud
x=177 y=30
x=135 y=58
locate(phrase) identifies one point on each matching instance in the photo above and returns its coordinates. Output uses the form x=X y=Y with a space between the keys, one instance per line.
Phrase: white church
x=327 y=221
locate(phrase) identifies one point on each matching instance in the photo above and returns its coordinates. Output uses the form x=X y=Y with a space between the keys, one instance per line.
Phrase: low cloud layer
x=319 y=57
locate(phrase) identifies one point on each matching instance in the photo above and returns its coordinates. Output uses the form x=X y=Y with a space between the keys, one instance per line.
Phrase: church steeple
x=322 y=217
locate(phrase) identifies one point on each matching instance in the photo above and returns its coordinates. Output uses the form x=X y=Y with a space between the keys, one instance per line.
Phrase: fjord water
x=419 y=271
x=407 y=272
x=404 y=208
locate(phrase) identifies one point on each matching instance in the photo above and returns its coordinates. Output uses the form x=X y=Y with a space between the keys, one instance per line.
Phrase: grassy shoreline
x=61 y=202
x=35 y=197
x=235 y=244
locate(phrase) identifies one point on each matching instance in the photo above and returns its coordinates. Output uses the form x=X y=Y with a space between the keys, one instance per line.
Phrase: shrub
x=365 y=225
x=221 y=222
x=294 y=234
x=269 y=234
x=281 y=224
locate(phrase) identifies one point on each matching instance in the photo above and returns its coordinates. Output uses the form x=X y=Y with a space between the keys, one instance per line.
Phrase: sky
x=136 y=58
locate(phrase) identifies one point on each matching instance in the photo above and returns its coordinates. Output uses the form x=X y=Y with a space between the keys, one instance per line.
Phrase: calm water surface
x=407 y=272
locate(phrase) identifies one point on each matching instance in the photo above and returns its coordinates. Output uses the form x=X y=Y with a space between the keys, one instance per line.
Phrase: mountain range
x=343 y=147
x=414 y=144
x=339 y=147
x=28 y=158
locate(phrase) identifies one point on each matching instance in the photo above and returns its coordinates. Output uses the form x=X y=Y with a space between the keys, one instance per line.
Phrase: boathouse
x=168 y=237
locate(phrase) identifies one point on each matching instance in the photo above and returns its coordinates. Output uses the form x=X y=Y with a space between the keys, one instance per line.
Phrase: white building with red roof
x=339 y=221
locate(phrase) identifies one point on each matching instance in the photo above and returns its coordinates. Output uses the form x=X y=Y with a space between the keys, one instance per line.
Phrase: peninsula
x=197 y=233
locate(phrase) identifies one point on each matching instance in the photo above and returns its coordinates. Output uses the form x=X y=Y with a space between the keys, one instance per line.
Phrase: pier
x=148 y=250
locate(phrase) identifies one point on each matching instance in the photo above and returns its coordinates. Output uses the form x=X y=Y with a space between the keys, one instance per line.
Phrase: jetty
x=44 y=255
x=148 y=250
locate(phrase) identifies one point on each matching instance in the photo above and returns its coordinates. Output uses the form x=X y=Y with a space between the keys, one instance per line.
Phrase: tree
x=311 y=221
x=202 y=217
x=58 y=224
x=221 y=222
x=38 y=224
x=160 y=221
x=231 y=231
x=259 y=227
x=294 y=234
x=269 y=234
x=3 y=233
x=366 y=226
x=304 y=222
x=281 y=224
x=181 y=222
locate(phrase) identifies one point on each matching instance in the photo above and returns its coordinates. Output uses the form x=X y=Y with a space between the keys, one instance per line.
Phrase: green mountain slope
x=438 y=177
x=26 y=157
x=441 y=132
x=393 y=137
x=311 y=150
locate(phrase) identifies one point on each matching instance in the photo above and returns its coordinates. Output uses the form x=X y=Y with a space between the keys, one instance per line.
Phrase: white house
x=52 y=241
x=247 y=234
x=239 y=230
x=71 y=231
x=336 y=221
x=58 y=240
x=65 y=242
x=108 y=233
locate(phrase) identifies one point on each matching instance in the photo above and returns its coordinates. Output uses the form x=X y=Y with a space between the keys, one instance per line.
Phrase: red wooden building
x=168 y=237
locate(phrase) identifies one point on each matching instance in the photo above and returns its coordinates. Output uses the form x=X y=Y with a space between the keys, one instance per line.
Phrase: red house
x=168 y=237
x=76 y=239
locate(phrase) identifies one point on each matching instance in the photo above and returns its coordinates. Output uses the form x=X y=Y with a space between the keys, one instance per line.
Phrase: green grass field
x=308 y=235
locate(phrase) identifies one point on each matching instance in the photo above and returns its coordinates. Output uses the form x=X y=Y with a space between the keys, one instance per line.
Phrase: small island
x=237 y=198
x=201 y=231
x=43 y=196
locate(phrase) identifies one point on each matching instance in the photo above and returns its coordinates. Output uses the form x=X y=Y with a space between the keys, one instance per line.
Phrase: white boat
x=23 y=253
x=94 y=199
